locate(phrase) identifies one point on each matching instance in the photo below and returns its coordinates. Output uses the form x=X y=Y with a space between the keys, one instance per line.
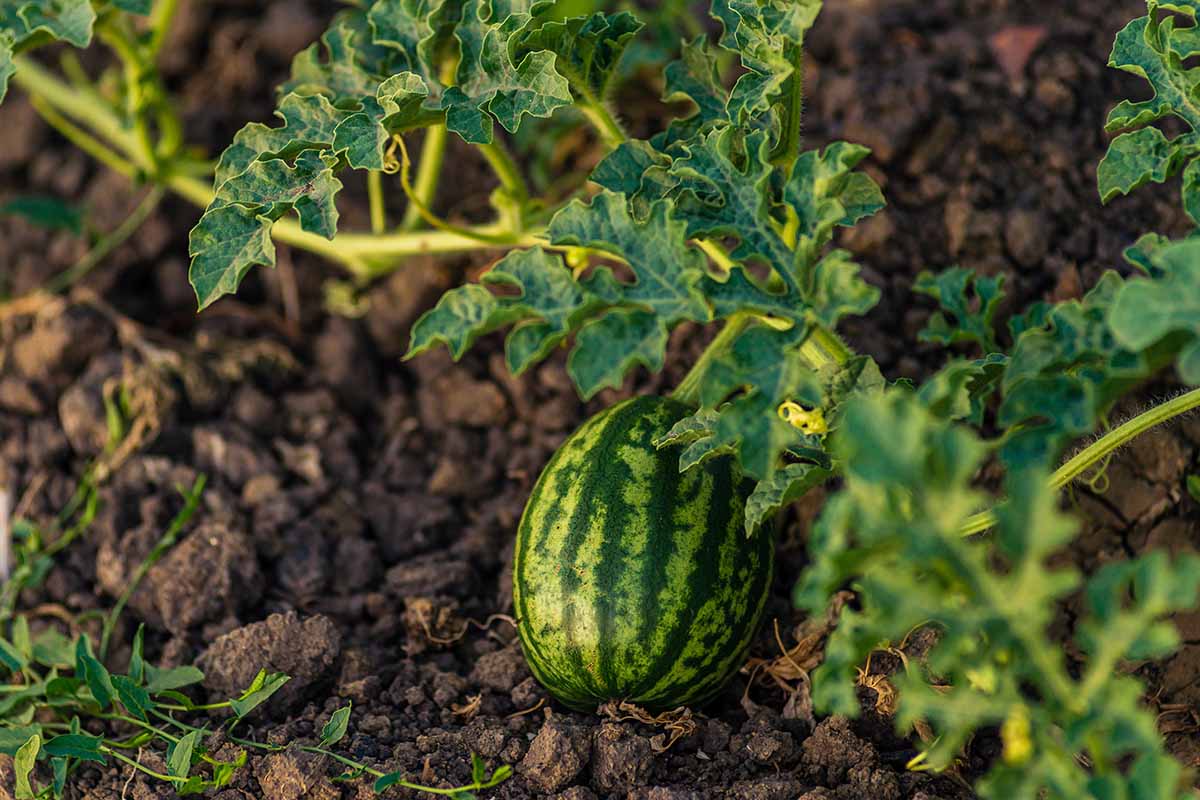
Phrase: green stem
x=1110 y=442
x=138 y=766
x=83 y=140
x=610 y=130
x=137 y=723
x=501 y=239
x=342 y=760
x=788 y=148
x=688 y=390
x=204 y=707
x=824 y=347
x=429 y=168
x=362 y=255
x=108 y=243
x=506 y=170
x=117 y=38
x=160 y=25
x=375 y=199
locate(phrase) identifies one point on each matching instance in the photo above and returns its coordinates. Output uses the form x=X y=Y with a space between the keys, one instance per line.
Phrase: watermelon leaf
x=896 y=527
x=969 y=304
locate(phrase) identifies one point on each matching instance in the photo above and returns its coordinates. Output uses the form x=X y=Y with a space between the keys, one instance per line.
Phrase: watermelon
x=634 y=581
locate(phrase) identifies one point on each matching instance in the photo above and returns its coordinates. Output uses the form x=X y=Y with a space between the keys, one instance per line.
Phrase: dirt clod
x=295 y=775
x=501 y=670
x=556 y=755
x=621 y=759
x=211 y=575
x=306 y=650
x=832 y=751
x=769 y=789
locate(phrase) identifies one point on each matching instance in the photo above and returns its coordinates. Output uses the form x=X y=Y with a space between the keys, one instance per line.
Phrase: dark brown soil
x=360 y=510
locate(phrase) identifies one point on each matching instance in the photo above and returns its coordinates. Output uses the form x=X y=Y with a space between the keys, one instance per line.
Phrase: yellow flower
x=811 y=422
x=1018 y=745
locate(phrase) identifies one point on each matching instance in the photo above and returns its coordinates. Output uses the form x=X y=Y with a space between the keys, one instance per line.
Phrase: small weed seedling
x=59 y=688
x=720 y=218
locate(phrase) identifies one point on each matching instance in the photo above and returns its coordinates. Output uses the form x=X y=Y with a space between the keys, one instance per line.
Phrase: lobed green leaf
x=7 y=67
x=1147 y=310
x=587 y=49
x=767 y=35
x=896 y=530
x=971 y=303
x=1155 y=48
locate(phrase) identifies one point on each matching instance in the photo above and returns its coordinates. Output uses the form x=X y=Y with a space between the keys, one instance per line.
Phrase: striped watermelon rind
x=633 y=581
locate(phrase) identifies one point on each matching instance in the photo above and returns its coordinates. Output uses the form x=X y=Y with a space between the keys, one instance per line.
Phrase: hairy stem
x=610 y=130
x=1110 y=442
x=825 y=347
x=429 y=169
x=788 y=148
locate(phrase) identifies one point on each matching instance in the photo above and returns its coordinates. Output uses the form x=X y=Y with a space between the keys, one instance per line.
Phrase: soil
x=359 y=515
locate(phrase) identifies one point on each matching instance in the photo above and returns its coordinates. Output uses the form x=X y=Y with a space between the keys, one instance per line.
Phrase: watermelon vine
x=722 y=219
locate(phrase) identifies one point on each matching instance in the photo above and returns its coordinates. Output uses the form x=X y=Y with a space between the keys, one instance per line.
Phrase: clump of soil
x=358 y=521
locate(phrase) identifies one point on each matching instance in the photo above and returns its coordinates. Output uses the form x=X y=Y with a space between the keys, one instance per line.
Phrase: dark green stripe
x=703 y=580
x=617 y=569
x=601 y=471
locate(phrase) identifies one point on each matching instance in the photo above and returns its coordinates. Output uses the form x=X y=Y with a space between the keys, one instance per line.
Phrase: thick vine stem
x=788 y=148
x=362 y=255
x=610 y=130
x=160 y=25
x=1107 y=444
x=688 y=390
x=506 y=170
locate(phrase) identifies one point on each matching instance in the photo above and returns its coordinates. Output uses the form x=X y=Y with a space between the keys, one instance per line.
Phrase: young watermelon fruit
x=634 y=581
